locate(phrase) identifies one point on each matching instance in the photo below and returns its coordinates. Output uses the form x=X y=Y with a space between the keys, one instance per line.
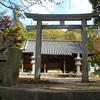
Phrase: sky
x=67 y=7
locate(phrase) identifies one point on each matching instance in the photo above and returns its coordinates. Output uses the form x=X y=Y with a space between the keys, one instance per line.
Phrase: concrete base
x=47 y=94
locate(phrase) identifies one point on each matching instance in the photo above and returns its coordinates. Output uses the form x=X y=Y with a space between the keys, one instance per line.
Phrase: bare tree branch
x=5 y=5
x=25 y=6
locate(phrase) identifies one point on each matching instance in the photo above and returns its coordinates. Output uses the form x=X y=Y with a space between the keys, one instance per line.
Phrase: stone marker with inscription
x=13 y=61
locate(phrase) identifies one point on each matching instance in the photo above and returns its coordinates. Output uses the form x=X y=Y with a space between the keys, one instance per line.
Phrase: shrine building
x=55 y=54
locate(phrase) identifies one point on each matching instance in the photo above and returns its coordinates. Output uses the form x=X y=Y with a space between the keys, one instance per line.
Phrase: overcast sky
x=67 y=7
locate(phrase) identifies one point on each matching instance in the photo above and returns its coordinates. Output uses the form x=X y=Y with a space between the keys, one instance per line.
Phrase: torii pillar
x=84 y=52
x=38 y=50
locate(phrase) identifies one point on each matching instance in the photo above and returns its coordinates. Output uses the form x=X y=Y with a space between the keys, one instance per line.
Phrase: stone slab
x=46 y=94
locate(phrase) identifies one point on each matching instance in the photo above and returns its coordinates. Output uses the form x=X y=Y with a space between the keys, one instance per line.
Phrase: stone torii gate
x=62 y=17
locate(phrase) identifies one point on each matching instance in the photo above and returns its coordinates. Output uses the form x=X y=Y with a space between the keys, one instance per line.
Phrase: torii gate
x=62 y=17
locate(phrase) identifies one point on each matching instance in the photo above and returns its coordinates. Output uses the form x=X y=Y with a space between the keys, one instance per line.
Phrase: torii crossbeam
x=62 y=17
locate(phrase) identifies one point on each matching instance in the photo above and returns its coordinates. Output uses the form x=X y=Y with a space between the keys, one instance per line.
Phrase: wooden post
x=44 y=68
x=64 y=65
x=84 y=52
x=38 y=50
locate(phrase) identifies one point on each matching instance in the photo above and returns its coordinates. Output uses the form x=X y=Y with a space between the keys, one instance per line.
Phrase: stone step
x=54 y=71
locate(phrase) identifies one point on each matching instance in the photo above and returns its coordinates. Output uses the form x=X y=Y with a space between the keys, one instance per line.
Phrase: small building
x=55 y=54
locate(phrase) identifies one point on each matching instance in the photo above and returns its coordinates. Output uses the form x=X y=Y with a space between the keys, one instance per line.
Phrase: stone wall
x=43 y=94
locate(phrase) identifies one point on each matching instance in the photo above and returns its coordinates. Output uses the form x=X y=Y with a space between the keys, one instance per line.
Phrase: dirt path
x=64 y=83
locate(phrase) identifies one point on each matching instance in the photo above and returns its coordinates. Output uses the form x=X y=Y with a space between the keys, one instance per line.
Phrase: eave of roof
x=55 y=47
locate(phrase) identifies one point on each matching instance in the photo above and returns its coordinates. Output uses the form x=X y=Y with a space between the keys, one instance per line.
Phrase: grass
x=96 y=73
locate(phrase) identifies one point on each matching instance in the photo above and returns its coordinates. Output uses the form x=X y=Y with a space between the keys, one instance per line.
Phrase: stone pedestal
x=13 y=61
x=33 y=63
x=33 y=69
x=78 y=71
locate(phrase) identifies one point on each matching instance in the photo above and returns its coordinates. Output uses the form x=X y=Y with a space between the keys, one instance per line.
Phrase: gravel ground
x=64 y=83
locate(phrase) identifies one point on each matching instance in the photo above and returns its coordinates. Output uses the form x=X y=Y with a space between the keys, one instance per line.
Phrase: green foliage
x=96 y=8
x=93 y=38
x=14 y=28
x=8 y=28
x=53 y=34
x=58 y=34
x=69 y=35
x=95 y=73
x=79 y=31
x=5 y=21
x=29 y=34
x=96 y=5
x=16 y=31
x=93 y=41
x=17 y=15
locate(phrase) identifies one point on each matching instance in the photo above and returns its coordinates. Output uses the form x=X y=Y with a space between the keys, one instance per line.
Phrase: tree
x=16 y=31
x=70 y=35
x=97 y=47
x=93 y=44
x=18 y=6
x=96 y=9
x=5 y=21
x=25 y=4
x=9 y=28
x=29 y=34
x=79 y=31
x=17 y=15
x=96 y=5
x=56 y=34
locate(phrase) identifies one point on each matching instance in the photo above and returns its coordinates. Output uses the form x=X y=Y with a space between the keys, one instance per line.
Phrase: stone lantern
x=33 y=63
x=78 y=64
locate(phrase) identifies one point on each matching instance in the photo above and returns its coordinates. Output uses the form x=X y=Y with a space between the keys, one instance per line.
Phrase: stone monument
x=5 y=42
x=33 y=63
x=78 y=64
x=13 y=61
x=9 y=62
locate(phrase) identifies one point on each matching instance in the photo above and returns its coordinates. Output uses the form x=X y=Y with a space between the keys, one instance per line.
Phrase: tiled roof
x=54 y=47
